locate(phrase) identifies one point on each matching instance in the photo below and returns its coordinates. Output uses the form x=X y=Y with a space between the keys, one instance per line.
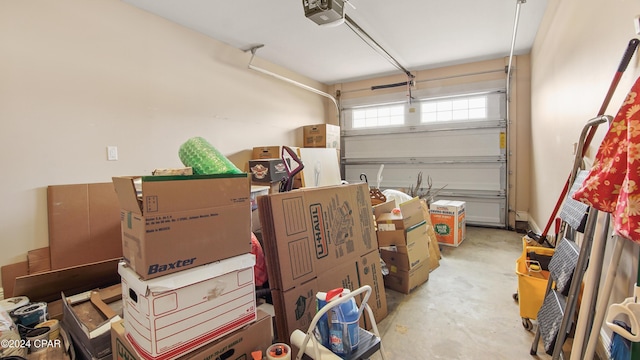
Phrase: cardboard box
x=89 y=327
x=407 y=255
x=266 y=171
x=391 y=226
x=80 y=351
x=235 y=346
x=364 y=271
x=266 y=152
x=318 y=239
x=322 y=135
x=84 y=224
x=296 y=307
x=172 y=315
x=448 y=218
x=172 y=223
x=410 y=215
x=313 y=230
x=405 y=281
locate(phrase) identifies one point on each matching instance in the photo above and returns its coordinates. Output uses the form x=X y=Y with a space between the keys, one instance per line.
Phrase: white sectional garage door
x=462 y=149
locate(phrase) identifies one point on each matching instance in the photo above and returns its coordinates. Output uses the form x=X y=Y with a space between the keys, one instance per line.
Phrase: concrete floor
x=466 y=309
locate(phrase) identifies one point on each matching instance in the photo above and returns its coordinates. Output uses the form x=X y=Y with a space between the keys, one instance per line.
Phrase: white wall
x=575 y=56
x=76 y=76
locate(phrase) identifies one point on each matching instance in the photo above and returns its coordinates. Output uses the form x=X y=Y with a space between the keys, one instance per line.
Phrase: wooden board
x=84 y=224
x=9 y=274
x=39 y=260
x=47 y=286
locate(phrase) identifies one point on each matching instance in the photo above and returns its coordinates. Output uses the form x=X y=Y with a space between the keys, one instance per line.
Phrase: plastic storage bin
x=532 y=281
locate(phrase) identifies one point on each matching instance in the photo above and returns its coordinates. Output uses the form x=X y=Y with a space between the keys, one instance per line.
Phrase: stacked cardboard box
x=404 y=244
x=187 y=274
x=321 y=135
x=267 y=171
x=318 y=239
x=237 y=345
x=267 y=167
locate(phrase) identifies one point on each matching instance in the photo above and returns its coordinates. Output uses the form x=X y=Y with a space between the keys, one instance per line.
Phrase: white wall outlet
x=112 y=153
x=636 y=24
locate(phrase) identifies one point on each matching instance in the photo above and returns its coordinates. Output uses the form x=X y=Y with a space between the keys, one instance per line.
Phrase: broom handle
x=626 y=58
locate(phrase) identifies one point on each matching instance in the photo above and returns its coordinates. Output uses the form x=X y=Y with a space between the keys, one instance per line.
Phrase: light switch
x=112 y=153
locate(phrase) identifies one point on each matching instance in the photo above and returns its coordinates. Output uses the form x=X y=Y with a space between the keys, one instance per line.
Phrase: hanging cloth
x=613 y=183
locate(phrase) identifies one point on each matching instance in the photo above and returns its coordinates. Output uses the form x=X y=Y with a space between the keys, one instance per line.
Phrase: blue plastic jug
x=322 y=328
x=340 y=330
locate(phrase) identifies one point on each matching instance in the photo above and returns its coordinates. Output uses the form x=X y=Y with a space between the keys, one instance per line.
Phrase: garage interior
x=96 y=96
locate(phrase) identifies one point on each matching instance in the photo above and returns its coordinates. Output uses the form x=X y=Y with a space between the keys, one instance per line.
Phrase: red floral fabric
x=260 y=268
x=613 y=183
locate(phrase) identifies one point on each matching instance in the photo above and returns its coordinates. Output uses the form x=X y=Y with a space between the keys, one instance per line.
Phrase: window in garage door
x=458 y=140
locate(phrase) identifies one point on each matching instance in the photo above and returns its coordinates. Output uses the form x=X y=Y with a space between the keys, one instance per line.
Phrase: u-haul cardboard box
x=172 y=315
x=236 y=346
x=172 y=223
x=449 y=224
x=296 y=307
x=311 y=231
x=364 y=271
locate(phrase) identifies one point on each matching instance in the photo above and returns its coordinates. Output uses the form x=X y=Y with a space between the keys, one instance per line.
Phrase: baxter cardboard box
x=312 y=230
x=405 y=281
x=236 y=346
x=172 y=315
x=172 y=223
x=449 y=224
x=322 y=135
x=266 y=171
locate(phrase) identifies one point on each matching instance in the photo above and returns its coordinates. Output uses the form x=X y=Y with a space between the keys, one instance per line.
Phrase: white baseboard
x=534 y=227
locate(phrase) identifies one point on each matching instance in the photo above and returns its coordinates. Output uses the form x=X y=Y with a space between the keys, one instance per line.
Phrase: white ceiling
x=419 y=34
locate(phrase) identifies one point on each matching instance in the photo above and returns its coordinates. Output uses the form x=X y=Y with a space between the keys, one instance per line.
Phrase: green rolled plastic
x=205 y=159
